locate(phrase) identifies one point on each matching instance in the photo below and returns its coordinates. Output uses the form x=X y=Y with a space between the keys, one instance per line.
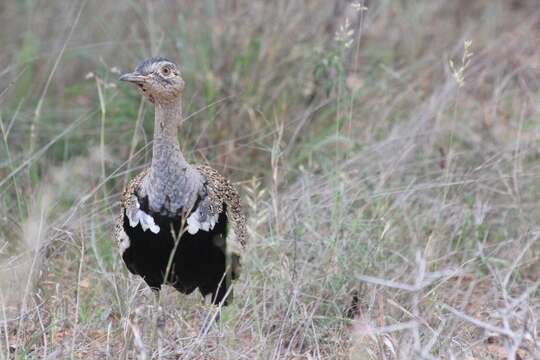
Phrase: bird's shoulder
x=132 y=189
x=221 y=191
x=127 y=202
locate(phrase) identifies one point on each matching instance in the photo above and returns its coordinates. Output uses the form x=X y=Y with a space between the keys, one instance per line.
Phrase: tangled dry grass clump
x=390 y=177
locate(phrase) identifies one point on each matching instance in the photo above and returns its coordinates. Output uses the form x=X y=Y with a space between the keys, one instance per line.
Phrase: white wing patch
x=136 y=216
x=195 y=222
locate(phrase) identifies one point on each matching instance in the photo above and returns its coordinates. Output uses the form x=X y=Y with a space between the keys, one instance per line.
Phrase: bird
x=180 y=224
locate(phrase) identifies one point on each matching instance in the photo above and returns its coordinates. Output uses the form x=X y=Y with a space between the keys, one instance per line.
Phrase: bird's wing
x=221 y=194
x=130 y=206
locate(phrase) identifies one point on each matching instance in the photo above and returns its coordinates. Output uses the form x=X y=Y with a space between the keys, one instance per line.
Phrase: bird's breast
x=170 y=192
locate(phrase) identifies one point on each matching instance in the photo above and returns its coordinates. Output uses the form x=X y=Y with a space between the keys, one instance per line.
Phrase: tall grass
x=392 y=197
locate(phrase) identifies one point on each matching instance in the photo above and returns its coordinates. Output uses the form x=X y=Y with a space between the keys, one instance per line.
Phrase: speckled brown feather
x=126 y=202
x=220 y=190
x=133 y=186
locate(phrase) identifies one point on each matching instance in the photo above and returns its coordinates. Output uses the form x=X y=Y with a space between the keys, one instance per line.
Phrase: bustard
x=180 y=224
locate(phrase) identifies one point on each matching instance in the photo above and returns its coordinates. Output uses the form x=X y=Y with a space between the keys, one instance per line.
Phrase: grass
x=392 y=197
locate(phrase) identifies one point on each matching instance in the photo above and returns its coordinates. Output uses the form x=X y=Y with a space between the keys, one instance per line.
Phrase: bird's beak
x=133 y=77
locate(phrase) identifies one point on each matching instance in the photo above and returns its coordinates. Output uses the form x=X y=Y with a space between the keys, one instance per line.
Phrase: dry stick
x=518 y=339
x=431 y=343
x=138 y=341
x=206 y=327
x=275 y=157
x=359 y=30
x=317 y=346
x=422 y=280
x=302 y=325
x=77 y=300
x=387 y=283
x=94 y=245
x=218 y=310
x=12 y=121
x=4 y=315
x=516 y=169
x=530 y=290
x=5 y=134
x=290 y=305
x=512 y=344
x=43 y=331
x=405 y=311
x=421 y=273
x=129 y=335
x=103 y=110
x=379 y=339
x=30 y=276
x=108 y=346
x=156 y=329
x=479 y=323
x=159 y=326
x=11 y=83
x=496 y=275
x=177 y=238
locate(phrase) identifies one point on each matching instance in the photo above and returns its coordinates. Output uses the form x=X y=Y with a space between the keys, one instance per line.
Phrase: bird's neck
x=172 y=183
x=168 y=117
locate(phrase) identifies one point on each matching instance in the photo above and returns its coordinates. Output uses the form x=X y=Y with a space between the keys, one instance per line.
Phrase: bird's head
x=158 y=79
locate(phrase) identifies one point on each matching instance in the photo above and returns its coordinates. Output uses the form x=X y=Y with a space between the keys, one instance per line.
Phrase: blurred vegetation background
x=389 y=167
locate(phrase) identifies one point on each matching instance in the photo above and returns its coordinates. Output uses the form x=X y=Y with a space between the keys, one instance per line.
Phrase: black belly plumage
x=198 y=262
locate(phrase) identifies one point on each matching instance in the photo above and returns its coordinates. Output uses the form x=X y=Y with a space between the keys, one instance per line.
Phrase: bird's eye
x=165 y=71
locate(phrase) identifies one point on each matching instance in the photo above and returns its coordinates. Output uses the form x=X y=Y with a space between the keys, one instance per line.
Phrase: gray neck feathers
x=172 y=184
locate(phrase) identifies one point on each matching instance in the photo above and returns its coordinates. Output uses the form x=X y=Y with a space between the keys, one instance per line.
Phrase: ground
x=387 y=155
